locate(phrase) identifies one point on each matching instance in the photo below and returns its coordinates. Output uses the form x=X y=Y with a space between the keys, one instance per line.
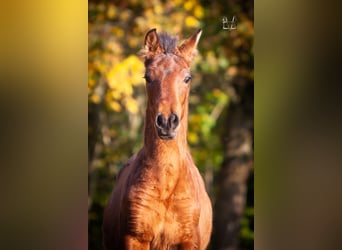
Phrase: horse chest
x=170 y=221
x=181 y=218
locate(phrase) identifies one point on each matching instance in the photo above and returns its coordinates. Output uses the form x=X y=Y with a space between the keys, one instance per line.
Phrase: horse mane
x=168 y=44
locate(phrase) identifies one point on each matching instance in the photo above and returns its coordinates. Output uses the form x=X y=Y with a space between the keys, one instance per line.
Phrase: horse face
x=168 y=84
x=168 y=80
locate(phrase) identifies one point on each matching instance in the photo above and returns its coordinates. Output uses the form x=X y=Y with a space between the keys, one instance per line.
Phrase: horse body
x=159 y=200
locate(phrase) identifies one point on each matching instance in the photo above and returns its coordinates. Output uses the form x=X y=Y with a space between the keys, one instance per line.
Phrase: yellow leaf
x=116 y=95
x=232 y=70
x=193 y=138
x=125 y=15
x=178 y=2
x=131 y=105
x=189 y=5
x=115 y=106
x=158 y=9
x=191 y=22
x=199 y=12
x=133 y=42
x=111 y=12
x=118 y=32
x=91 y=82
x=95 y=98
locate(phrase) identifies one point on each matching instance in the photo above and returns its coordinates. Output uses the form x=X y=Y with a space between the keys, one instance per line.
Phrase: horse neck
x=164 y=160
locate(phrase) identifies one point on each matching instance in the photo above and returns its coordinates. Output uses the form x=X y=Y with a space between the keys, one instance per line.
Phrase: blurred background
x=44 y=167
x=221 y=102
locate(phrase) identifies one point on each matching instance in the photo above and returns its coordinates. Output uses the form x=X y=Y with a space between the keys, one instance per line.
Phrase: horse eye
x=187 y=79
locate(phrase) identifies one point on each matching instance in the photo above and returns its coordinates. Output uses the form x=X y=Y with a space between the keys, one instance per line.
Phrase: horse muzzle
x=167 y=127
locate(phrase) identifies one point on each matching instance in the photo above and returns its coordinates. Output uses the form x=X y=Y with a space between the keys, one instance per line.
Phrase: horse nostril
x=160 y=121
x=173 y=121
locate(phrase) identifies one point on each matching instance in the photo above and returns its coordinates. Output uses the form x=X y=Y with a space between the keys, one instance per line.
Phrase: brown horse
x=159 y=200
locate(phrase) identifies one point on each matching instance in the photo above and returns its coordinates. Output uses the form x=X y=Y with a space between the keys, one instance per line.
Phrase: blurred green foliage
x=116 y=91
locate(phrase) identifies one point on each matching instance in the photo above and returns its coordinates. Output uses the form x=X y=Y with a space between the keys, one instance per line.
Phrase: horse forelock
x=167 y=45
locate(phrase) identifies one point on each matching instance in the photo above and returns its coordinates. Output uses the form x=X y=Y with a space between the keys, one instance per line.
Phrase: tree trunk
x=237 y=165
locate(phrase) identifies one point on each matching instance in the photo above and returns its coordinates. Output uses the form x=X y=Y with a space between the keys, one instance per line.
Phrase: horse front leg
x=132 y=243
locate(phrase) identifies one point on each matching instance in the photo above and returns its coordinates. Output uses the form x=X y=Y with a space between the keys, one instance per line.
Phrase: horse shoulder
x=205 y=219
x=115 y=213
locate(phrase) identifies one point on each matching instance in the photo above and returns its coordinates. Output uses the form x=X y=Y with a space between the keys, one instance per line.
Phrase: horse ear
x=189 y=48
x=151 y=41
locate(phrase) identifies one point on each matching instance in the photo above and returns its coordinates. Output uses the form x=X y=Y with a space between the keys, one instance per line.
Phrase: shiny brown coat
x=159 y=199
